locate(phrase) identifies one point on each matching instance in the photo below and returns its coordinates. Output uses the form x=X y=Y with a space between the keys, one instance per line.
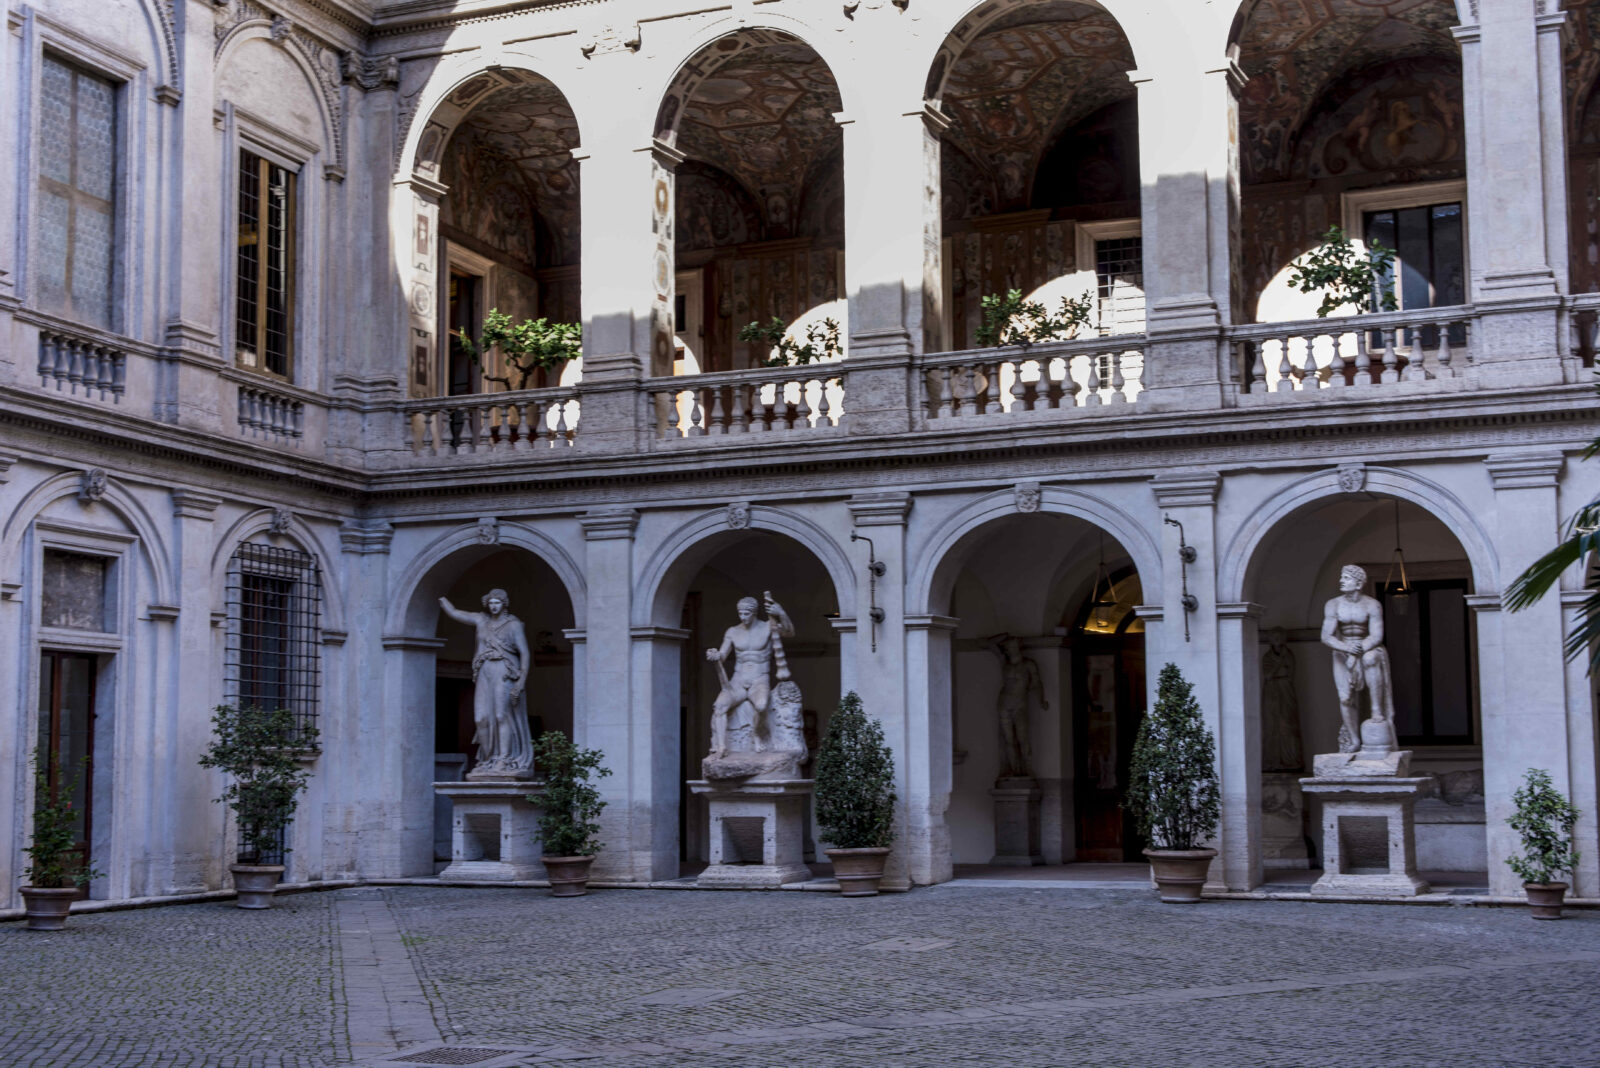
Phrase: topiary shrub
x=1544 y=818
x=571 y=803
x=855 y=780
x=260 y=752
x=1173 y=791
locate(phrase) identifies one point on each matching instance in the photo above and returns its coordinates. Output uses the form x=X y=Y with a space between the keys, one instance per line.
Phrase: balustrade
x=271 y=414
x=757 y=401
x=1357 y=351
x=519 y=421
x=1087 y=373
x=70 y=363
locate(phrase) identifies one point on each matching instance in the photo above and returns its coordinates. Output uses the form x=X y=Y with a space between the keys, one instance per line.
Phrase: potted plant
x=1543 y=819
x=569 y=808
x=260 y=751
x=855 y=798
x=57 y=872
x=1173 y=791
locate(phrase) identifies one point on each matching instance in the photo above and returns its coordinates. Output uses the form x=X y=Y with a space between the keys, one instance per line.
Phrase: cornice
x=1187 y=489
x=883 y=508
x=609 y=524
x=1527 y=470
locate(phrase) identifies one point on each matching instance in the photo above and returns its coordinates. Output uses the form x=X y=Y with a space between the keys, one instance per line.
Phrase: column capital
x=949 y=623
x=366 y=538
x=1150 y=613
x=7 y=459
x=575 y=635
x=1239 y=610
x=609 y=523
x=192 y=504
x=669 y=156
x=1529 y=470
x=886 y=509
x=1484 y=602
x=1182 y=490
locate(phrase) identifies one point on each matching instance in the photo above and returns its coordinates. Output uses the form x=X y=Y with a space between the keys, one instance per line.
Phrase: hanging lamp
x=1102 y=605
x=1399 y=595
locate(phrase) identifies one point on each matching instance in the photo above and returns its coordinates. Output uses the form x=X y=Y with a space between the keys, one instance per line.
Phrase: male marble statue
x=1019 y=679
x=750 y=714
x=1352 y=626
x=500 y=672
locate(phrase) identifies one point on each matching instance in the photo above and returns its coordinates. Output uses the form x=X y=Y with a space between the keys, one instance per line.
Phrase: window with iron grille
x=1119 y=284
x=274 y=638
x=264 y=266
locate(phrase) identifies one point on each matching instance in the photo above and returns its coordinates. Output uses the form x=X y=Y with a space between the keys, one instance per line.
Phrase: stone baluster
x=1019 y=389
x=1119 y=384
x=1443 y=356
x=1391 y=365
x=1092 y=396
x=1285 y=368
x=1363 y=360
x=802 y=408
x=695 y=415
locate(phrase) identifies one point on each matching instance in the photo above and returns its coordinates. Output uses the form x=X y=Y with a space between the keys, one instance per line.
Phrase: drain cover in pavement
x=686 y=996
x=908 y=944
x=453 y=1055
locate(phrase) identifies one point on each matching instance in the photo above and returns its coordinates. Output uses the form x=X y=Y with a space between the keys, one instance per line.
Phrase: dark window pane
x=1447 y=634
x=1449 y=265
x=1402 y=637
x=1415 y=261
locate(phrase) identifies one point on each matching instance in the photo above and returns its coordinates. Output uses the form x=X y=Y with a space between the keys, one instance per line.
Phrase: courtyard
x=432 y=975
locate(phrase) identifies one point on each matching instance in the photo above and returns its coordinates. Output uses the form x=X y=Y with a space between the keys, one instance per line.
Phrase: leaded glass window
x=75 y=220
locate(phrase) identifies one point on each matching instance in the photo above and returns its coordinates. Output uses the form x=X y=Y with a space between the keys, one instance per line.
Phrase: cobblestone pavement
x=942 y=976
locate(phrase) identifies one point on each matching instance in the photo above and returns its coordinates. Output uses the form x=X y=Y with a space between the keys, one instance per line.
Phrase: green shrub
x=571 y=803
x=822 y=342
x=260 y=752
x=855 y=780
x=53 y=849
x=528 y=346
x=1010 y=320
x=1544 y=819
x=1172 y=784
x=1345 y=277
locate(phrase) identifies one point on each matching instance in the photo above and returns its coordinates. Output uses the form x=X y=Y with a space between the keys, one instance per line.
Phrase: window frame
x=1354 y=207
x=1088 y=235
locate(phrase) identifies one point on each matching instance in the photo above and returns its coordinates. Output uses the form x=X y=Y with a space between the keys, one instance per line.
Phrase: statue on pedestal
x=1352 y=626
x=1280 y=707
x=757 y=727
x=500 y=675
x=1019 y=678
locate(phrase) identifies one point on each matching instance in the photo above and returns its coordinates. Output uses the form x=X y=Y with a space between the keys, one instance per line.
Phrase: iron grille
x=274 y=603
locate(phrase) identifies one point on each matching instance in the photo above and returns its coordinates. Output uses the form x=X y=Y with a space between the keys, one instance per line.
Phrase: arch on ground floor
x=297 y=531
x=413 y=609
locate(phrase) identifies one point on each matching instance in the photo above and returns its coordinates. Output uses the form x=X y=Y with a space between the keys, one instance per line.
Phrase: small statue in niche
x=751 y=715
x=1019 y=678
x=500 y=675
x=1281 y=748
x=1352 y=626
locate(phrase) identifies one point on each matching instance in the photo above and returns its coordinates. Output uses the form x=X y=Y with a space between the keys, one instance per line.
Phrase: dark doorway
x=66 y=735
x=1109 y=703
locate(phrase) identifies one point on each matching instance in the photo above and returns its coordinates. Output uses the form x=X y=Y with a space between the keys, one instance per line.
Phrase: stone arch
x=127 y=507
x=410 y=612
x=930 y=582
x=1239 y=561
x=297 y=49
x=260 y=521
x=659 y=590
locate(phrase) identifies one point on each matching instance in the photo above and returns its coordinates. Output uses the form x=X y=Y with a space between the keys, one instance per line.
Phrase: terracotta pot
x=1545 y=899
x=47 y=906
x=858 y=870
x=569 y=876
x=256 y=884
x=1180 y=873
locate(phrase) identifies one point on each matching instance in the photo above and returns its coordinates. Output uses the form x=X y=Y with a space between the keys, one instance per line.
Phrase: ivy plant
x=1345 y=276
x=821 y=343
x=260 y=752
x=855 y=780
x=1010 y=320
x=55 y=860
x=1544 y=819
x=571 y=803
x=528 y=347
x=1173 y=790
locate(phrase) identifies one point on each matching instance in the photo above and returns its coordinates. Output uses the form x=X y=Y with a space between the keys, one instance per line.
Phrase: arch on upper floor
x=413 y=610
x=659 y=590
x=1239 y=563
x=127 y=507
x=299 y=49
x=939 y=558
x=297 y=532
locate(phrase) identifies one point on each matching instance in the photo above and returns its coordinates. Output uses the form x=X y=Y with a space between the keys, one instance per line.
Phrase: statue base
x=1016 y=823
x=1283 y=836
x=757 y=832
x=482 y=774
x=1368 y=828
x=494 y=831
x=773 y=765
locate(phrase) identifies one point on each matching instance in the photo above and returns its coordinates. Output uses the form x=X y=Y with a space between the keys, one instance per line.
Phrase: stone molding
x=738 y=515
x=161 y=613
x=1352 y=477
x=412 y=643
x=1238 y=610
x=1029 y=496
x=575 y=635
x=1151 y=613
x=1484 y=602
x=370 y=73
x=931 y=622
x=192 y=504
x=1187 y=490
x=659 y=634
x=609 y=524
x=7 y=461
x=366 y=538
x=488 y=528
x=843 y=624
x=886 y=509
x=1534 y=470
x=92 y=485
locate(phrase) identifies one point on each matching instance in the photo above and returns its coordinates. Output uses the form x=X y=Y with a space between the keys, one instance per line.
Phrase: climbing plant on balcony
x=1346 y=276
x=821 y=343
x=530 y=346
x=1010 y=320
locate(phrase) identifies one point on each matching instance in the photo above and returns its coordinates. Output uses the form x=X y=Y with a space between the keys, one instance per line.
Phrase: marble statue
x=1280 y=707
x=757 y=727
x=1019 y=678
x=500 y=674
x=1352 y=626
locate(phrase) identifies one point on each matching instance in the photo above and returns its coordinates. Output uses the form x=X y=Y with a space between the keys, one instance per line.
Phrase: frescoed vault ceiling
x=1295 y=51
x=1582 y=57
x=762 y=115
x=531 y=127
x=1027 y=76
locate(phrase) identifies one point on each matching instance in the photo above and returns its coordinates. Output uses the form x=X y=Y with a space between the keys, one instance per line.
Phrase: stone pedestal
x=1283 y=836
x=1368 y=831
x=494 y=830
x=1016 y=823
x=757 y=832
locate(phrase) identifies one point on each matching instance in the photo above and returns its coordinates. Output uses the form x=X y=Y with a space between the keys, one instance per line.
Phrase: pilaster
x=1239 y=742
x=181 y=726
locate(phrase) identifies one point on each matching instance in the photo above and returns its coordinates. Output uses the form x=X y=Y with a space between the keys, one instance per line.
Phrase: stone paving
x=942 y=976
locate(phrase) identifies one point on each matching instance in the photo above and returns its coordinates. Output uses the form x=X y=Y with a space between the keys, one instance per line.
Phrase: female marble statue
x=1280 y=708
x=500 y=672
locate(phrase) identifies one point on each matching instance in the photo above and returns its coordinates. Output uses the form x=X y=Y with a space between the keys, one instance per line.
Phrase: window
x=1429 y=269
x=76 y=215
x=73 y=593
x=464 y=321
x=273 y=651
x=1430 y=661
x=1115 y=252
x=264 y=272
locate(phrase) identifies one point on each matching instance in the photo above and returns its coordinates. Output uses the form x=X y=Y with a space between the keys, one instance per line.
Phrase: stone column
x=892 y=235
x=1189 y=164
x=1521 y=676
x=657 y=759
x=182 y=725
x=928 y=706
x=881 y=683
x=1516 y=187
x=1239 y=664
